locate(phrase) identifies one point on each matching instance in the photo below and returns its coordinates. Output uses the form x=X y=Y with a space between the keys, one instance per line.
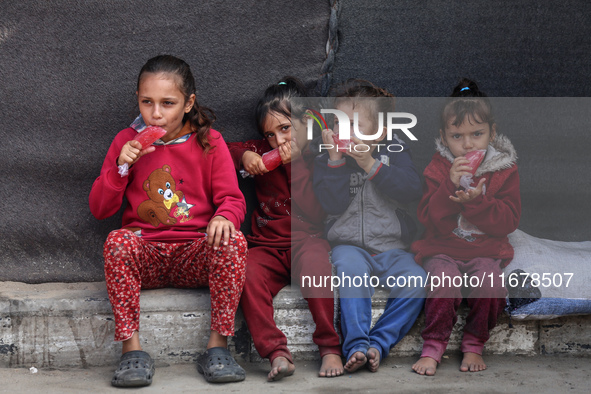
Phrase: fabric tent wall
x=67 y=84
x=68 y=74
x=512 y=49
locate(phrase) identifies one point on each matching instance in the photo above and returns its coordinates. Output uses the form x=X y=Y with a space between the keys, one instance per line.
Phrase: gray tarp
x=67 y=83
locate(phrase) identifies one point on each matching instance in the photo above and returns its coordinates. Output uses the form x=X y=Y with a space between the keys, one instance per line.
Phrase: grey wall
x=67 y=84
x=512 y=49
x=68 y=71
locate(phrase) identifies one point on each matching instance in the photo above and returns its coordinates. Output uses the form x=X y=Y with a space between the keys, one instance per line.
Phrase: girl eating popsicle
x=468 y=211
x=181 y=221
x=287 y=225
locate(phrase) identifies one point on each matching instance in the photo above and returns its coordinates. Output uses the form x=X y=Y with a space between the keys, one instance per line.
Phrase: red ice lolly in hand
x=341 y=144
x=149 y=135
x=475 y=157
x=272 y=159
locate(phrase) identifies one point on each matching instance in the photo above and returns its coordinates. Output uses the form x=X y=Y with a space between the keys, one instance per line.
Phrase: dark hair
x=278 y=98
x=467 y=101
x=200 y=118
x=359 y=88
x=353 y=89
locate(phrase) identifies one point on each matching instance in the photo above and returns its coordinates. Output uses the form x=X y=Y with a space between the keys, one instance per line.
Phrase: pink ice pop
x=149 y=135
x=475 y=157
x=342 y=144
x=272 y=159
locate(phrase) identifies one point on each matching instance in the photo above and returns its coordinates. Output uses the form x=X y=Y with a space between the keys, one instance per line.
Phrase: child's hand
x=327 y=139
x=364 y=159
x=287 y=153
x=132 y=151
x=219 y=231
x=253 y=163
x=458 y=169
x=465 y=196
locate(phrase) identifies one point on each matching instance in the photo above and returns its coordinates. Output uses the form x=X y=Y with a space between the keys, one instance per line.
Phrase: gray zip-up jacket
x=367 y=210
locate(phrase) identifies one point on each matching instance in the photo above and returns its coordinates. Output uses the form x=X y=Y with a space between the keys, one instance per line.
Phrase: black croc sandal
x=218 y=366
x=136 y=369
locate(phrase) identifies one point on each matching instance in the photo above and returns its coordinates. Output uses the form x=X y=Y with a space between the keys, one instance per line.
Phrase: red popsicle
x=272 y=159
x=475 y=157
x=149 y=135
x=342 y=144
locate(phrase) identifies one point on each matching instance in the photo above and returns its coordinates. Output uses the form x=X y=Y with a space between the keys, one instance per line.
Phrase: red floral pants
x=132 y=263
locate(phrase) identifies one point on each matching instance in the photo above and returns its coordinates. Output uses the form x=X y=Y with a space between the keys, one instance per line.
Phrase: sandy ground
x=505 y=374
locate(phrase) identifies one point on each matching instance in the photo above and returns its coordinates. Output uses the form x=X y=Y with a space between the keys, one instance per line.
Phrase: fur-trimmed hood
x=500 y=155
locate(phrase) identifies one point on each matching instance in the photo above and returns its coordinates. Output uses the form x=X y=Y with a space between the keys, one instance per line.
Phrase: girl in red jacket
x=287 y=226
x=180 y=221
x=467 y=219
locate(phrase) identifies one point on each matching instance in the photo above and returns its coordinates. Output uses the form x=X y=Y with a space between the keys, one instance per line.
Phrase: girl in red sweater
x=287 y=226
x=180 y=222
x=466 y=221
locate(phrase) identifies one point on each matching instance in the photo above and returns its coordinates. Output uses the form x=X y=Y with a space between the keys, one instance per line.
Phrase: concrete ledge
x=62 y=325
x=65 y=325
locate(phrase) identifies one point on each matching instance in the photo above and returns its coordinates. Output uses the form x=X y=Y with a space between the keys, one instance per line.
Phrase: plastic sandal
x=218 y=366
x=136 y=369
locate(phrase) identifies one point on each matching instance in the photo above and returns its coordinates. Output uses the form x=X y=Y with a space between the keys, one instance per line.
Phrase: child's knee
x=240 y=243
x=351 y=267
x=439 y=264
x=347 y=259
x=119 y=245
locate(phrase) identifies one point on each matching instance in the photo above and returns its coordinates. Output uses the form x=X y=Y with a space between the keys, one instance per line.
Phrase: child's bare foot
x=332 y=365
x=356 y=361
x=425 y=366
x=373 y=358
x=280 y=368
x=472 y=362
